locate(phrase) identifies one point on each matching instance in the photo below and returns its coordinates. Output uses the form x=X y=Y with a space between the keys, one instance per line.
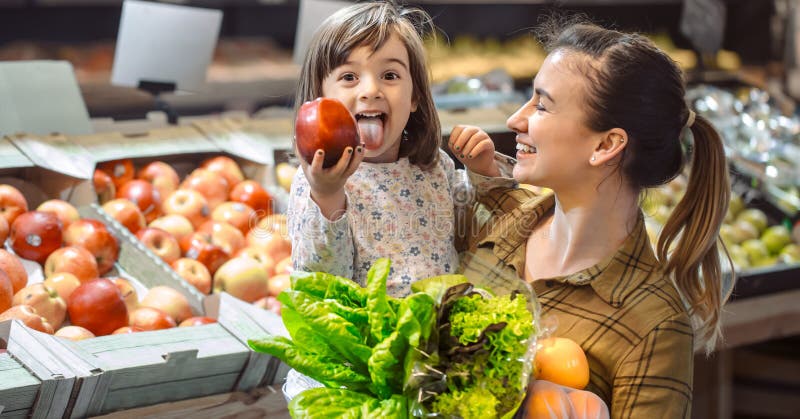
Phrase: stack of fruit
x=216 y=229
x=71 y=255
x=750 y=239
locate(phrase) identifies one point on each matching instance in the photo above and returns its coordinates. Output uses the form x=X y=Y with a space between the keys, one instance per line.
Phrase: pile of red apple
x=74 y=301
x=215 y=228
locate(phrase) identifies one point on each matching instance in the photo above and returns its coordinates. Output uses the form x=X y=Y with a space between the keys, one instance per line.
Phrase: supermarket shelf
x=767 y=280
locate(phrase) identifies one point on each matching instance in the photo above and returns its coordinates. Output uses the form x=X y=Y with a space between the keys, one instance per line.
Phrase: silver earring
x=405 y=135
x=593 y=158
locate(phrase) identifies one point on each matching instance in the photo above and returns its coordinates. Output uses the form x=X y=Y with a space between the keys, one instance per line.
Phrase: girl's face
x=553 y=142
x=376 y=87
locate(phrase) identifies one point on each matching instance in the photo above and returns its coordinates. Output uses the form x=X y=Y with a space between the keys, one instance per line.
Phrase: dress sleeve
x=318 y=244
x=483 y=184
x=468 y=188
x=654 y=380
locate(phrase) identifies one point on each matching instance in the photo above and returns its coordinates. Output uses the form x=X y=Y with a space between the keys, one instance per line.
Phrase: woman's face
x=553 y=142
x=377 y=88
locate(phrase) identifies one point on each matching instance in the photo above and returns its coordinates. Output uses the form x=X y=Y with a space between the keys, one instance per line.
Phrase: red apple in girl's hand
x=326 y=124
x=36 y=234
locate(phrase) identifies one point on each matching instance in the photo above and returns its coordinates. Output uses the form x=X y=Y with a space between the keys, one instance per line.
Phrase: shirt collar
x=613 y=279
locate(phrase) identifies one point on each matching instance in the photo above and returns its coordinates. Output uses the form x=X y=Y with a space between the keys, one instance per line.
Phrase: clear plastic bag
x=467 y=371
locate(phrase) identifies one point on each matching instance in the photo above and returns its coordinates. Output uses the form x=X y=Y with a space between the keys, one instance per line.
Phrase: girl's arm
x=318 y=243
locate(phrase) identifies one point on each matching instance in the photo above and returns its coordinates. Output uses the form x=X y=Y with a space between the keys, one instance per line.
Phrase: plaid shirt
x=624 y=312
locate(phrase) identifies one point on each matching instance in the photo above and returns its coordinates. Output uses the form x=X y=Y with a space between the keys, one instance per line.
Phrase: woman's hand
x=327 y=185
x=475 y=149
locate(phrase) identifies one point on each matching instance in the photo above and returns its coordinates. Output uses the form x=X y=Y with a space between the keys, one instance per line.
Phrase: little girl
x=398 y=194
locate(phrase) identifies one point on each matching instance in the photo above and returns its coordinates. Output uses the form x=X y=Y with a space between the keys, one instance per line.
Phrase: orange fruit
x=588 y=405
x=562 y=361
x=548 y=401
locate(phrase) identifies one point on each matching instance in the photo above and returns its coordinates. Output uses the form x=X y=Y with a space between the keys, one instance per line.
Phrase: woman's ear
x=610 y=145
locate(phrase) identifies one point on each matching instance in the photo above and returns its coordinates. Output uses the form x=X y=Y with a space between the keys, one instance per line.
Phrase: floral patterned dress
x=394 y=210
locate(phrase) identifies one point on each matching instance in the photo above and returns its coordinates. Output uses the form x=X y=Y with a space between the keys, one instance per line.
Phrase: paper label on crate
x=58 y=154
x=11 y=157
x=41 y=97
x=173 y=141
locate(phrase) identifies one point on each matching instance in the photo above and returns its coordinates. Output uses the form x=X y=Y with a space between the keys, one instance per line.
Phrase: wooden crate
x=246 y=321
x=34 y=381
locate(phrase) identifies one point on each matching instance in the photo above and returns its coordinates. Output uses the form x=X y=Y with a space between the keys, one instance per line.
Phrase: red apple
x=188 y=203
x=127 y=213
x=225 y=167
x=4 y=227
x=120 y=171
x=162 y=176
x=278 y=283
x=149 y=318
x=28 y=316
x=169 y=301
x=128 y=292
x=75 y=260
x=74 y=333
x=144 y=195
x=124 y=330
x=284 y=174
x=236 y=214
x=284 y=266
x=97 y=305
x=196 y=321
x=276 y=245
x=251 y=193
x=94 y=237
x=325 y=124
x=243 y=278
x=211 y=185
x=161 y=243
x=12 y=203
x=260 y=255
x=6 y=292
x=275 y=223
x=35 y=234
x=13 y=267
x=269 y=303
x=64 y=283
x=103 y=186
x=224 y=235
x=194 y=273
x=174 y=224
x=45 y=300
x=65 y=212
x=198 y=246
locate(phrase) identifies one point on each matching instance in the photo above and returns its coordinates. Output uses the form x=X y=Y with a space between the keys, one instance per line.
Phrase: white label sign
x=166 y=44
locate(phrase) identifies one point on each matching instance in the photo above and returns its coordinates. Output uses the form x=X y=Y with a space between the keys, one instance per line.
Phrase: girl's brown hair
x=372 y=24
x=635 y=86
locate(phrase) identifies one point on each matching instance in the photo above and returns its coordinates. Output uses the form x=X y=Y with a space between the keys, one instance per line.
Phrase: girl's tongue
x=371 y=132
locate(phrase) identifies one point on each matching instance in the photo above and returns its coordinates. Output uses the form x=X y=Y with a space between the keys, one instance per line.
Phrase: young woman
x=606 y=121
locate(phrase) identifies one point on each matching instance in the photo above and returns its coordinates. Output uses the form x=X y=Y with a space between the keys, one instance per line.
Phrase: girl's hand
x=327 y=185
x=473 y=147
